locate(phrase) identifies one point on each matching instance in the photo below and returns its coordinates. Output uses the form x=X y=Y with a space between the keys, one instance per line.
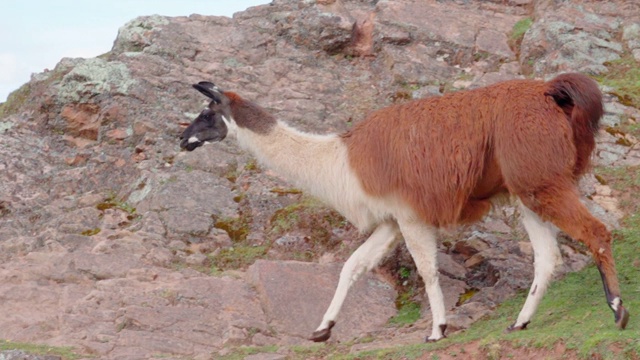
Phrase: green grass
x=15 y=100
x=237 y=227
x=237 y=257
x=112 y=202
x=517 y=34
x=408 y=313
x=520 y=28
x=408 y=309
x=67 y=353
x=242 y=352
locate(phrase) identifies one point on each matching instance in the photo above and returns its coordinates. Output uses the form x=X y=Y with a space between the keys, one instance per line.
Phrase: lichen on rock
x=92 y=77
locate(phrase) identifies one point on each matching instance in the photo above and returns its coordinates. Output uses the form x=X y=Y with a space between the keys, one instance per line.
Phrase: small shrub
x=517 y=34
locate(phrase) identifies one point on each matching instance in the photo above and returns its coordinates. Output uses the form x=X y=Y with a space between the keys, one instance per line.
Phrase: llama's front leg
x=546 y=256
x=365 y=258
x=421 y=243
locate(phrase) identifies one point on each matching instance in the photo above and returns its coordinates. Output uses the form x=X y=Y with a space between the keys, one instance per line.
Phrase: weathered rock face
x=109 y=234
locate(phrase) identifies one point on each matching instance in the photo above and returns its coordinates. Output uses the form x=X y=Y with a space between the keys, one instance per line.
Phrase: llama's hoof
x=513 y=328
x=322 y=335
x=443 y=328
x=430 y=340
x=622 y=317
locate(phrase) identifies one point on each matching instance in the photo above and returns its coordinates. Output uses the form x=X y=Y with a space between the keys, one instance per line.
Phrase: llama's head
x=213 y=123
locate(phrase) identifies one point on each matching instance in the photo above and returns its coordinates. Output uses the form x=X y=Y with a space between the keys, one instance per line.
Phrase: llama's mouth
x=191 y=143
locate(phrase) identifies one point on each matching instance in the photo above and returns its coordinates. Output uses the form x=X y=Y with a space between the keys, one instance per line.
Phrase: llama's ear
x=209 y=90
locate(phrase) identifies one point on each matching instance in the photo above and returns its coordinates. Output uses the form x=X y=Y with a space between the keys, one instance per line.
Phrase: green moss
x=309 y=214
x=111 y=202
x=91 y=232
x=232 y=173
x=517 y=34
x=520 y=28
x=404 y=273
x=283 y=191
x=407 y=314
x=15 y=101
x=315 y=351
x=466 y=296
x=251 y=165
x=408 y=310
x=237 y=257
x=66 y=353
x=242 y=352
x=237 y=228
x=481 y=55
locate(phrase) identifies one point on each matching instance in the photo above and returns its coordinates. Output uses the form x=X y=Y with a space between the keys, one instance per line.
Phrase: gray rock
x=124 y=282
x=21 y=355
x=295 y=295
x=570 y=37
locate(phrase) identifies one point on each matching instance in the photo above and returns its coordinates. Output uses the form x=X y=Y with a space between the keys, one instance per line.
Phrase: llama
x=409 y=169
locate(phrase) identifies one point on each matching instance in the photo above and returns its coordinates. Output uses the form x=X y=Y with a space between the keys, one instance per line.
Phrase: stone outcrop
x=114 y=242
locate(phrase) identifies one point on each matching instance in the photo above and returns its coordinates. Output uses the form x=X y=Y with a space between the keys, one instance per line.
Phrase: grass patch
x=67 y=353
x=242 y=352
x=624 y=77
x=91 y=232
x=15 y=101
x=237 y=257
x=517 y=34
x=317 y=351
x=520 y=28
x=408 y=309
x=308 y=214
x=237 y=228
x=407 y=314
x=111 y=202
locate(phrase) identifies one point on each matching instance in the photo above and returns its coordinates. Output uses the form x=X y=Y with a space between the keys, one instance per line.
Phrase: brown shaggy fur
x=448 y=156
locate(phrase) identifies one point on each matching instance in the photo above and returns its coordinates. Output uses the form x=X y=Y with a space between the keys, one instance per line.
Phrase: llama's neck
x=318 y=164
x=306 y=160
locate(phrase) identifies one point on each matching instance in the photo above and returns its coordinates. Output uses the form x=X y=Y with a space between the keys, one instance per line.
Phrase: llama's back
x=447 y=156
x=551 y=135
x=431 y=152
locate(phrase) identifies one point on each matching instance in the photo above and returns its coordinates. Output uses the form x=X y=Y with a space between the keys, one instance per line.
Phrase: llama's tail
x=581 y=100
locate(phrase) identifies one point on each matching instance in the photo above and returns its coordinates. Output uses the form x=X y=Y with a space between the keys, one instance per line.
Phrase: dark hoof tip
x=443 y=329
x=622 y=318
x=322 y=335
x=513 y=328
x=430 y=341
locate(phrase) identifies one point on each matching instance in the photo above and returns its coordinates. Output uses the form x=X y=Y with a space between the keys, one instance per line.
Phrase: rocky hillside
x=116 y=243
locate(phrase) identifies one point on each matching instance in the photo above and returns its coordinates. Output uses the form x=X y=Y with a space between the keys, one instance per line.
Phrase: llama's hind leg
x=365 y=258
x=562 y=206
x=546 y=253
x=421 y=243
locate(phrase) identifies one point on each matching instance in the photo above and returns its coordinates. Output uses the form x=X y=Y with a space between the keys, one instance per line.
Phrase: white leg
x=365 y=258
x=421 y=243
x=546 y=257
